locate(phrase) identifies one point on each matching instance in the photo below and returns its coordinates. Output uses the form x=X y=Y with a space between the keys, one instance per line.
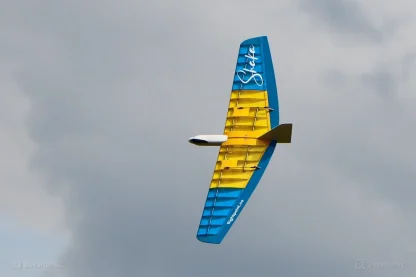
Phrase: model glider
x=251 y=132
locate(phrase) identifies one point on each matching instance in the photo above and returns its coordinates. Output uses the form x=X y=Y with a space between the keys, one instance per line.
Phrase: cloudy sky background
x=90 y=90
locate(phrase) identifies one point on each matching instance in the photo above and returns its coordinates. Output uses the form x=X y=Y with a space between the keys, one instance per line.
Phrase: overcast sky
x=98 y=99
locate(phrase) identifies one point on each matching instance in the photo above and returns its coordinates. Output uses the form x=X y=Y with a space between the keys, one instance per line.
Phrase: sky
x=99 y=98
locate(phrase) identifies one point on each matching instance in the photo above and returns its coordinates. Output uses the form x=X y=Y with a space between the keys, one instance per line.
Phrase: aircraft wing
x=253 y=110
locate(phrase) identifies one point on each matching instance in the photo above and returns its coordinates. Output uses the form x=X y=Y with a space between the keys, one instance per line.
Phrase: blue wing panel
x=254 y=71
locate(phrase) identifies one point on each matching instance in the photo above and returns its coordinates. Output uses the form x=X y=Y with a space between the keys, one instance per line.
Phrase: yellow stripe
x=240 y=161
x=244 y=134
x=242 y=151
x=243 y=141
x=244 y=107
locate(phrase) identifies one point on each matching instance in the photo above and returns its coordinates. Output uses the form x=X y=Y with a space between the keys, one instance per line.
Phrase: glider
x=250 y=135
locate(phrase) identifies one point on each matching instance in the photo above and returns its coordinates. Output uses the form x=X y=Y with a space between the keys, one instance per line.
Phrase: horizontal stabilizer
x=281 y=134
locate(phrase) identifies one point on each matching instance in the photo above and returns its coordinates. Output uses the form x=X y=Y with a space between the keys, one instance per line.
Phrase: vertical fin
x=282 y=134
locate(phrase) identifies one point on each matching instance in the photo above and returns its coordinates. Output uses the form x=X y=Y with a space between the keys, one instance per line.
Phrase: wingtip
x=209 y=239
x=255 y=39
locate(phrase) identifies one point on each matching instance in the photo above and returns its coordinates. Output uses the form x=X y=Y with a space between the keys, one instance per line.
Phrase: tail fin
x=281 y=134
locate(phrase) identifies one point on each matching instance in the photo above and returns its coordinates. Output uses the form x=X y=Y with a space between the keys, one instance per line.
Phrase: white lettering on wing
x=258 y=79
x=235 y=212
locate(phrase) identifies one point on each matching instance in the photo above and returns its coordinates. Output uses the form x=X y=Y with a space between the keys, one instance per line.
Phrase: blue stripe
x=218 y=206
x=254 y=71
x=271 y=83
x=249 y=70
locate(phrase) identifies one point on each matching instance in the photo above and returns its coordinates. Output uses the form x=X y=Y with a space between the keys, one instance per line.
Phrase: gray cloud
x=390 y=78
x=408 y=65
x=343 y=17
x=380 y=137
x=117 y=90
x=381 y=82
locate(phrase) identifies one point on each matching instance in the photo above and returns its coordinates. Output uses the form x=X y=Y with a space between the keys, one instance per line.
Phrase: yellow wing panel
x=247 y=119
x=248 y=111
x=236 y=164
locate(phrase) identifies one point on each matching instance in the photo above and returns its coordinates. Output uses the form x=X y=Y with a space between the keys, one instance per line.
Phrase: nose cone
x=197 y=140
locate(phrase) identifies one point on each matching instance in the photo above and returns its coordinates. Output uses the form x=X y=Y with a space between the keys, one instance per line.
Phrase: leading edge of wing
x=214 y=227
x=264 y=66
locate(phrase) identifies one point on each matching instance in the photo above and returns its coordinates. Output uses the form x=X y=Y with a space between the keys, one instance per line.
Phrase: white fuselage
x=208 y=140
